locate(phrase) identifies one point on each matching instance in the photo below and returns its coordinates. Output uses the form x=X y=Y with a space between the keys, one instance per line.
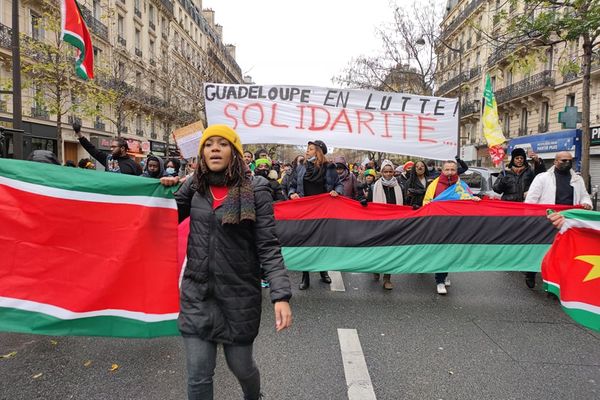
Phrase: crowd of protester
x=412 y=183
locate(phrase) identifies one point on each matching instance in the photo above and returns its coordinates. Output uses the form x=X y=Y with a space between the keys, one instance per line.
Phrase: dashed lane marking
x=355 y=366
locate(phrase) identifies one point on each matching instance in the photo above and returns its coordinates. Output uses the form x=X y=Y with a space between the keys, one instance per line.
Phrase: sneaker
x=441 y=288
x=264 y=284
x=447 y=282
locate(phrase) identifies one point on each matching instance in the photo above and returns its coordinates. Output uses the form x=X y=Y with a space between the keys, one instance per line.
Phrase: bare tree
x=404 y=65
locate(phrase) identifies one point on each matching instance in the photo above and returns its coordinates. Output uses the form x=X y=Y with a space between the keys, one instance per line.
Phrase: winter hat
x=340 y=162
x=408 y=164
x=319 y=144
x=399 y=169
x=225 y=132
x=516 y=153
x=371 y=172
x=386 y=163
x=273 y=174
x=263 y=161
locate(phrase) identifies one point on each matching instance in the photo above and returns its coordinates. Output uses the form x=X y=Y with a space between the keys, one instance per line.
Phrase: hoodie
x=161 y=169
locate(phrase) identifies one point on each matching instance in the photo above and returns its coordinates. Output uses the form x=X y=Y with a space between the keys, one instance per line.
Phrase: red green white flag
x=571 y=268
x=75 y=32
x=86 y=253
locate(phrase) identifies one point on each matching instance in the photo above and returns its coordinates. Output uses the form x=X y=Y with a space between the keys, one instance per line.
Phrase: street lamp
x=421 y=42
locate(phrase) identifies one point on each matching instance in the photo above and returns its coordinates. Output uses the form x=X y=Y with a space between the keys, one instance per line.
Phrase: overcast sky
x=300 y=42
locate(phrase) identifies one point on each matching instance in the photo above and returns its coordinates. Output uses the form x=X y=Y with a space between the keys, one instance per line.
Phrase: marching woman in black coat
x=232 y=234
x=315 y=176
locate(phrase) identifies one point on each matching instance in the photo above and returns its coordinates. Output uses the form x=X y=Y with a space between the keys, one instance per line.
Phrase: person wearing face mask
x=386 y=190
x=263 y=168
x=514 y=182
x=316 y=176
x=172 y=167
x=559 y=185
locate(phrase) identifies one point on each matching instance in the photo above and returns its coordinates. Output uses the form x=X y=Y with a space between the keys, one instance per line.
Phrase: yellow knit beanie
x=225 y=132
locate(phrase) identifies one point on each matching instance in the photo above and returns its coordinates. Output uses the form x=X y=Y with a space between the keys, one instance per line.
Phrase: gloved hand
x=364 y=203
x=77 y=128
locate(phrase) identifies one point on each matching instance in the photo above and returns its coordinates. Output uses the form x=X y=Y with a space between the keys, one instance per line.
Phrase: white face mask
x=170 y=171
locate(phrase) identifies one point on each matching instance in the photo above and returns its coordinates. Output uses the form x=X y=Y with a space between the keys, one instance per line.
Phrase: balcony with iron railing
x=138 y=52
x=543 y=127
x=97 y=27
x=72 y=119
x=151 y=25
x=39 y=112
x=525 y=87
x=152 y=62
x=3 y=106
x=139 y=132
x=137 y=12
x=469 y=108
x=153 y=135
x=458 y=79
x=121 y=40
x=462 y=17
x=168 y=5
x=5 y=36
x=99 y=125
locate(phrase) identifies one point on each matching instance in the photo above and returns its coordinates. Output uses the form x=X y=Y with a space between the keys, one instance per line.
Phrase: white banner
x=354 y=119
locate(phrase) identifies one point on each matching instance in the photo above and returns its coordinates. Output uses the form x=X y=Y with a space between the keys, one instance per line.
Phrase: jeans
x=201 y=358
x=440 y=277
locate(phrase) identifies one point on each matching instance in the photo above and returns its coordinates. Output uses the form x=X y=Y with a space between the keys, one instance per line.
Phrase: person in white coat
x=559 y=185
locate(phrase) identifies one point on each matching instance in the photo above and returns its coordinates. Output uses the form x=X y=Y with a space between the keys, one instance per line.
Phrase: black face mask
x=564 y=166
x=261 y=172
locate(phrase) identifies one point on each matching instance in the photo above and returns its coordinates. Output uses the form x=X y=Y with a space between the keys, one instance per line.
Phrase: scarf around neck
x=444 y=183
x=314 y=174
x=389 y=183
x=239 y=203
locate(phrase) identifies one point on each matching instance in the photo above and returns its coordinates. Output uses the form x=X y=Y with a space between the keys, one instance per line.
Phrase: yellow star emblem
x=595 y=271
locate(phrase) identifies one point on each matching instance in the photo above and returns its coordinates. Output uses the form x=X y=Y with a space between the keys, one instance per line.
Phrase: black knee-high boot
x=305 y=281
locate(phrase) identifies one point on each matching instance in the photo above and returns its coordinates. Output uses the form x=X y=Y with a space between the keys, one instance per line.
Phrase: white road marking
x=337 y=282
x=355 y=367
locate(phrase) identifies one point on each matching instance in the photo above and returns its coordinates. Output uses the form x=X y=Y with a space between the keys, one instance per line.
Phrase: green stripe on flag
x=14 y=320
x=583 y=215
x=426 y=258
x=586 y=318
x=83 y=180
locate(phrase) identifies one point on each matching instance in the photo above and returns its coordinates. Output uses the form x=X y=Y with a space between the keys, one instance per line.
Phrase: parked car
x=481 y=180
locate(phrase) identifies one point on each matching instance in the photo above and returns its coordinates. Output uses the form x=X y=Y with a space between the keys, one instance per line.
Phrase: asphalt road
x=489 y=338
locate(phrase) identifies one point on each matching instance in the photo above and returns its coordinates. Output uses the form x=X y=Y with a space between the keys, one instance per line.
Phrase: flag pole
x=16 y=90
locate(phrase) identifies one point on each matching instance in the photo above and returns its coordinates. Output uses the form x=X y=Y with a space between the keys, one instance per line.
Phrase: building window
x=523 y=127
x=37 y=29
x=138 y=79
x=96 y=9
x=570 y=100
x=137 y=39
x=151 y=48
x=509 y=77
x=97 y=54
x=549 y=59
x=151 y=13
x=544 y=117
x=138 y=123
x=506 y=124
x=493 y=80
x=121 y=25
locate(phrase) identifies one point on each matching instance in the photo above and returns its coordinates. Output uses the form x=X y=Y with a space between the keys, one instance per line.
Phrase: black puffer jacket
x=220 y=291
x=513 y=186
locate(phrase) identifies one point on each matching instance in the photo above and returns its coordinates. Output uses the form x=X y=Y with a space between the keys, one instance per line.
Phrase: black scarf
x=314 y=174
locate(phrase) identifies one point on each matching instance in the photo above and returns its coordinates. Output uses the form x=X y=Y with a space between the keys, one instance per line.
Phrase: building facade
x=531 y=86
x=155 y=54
